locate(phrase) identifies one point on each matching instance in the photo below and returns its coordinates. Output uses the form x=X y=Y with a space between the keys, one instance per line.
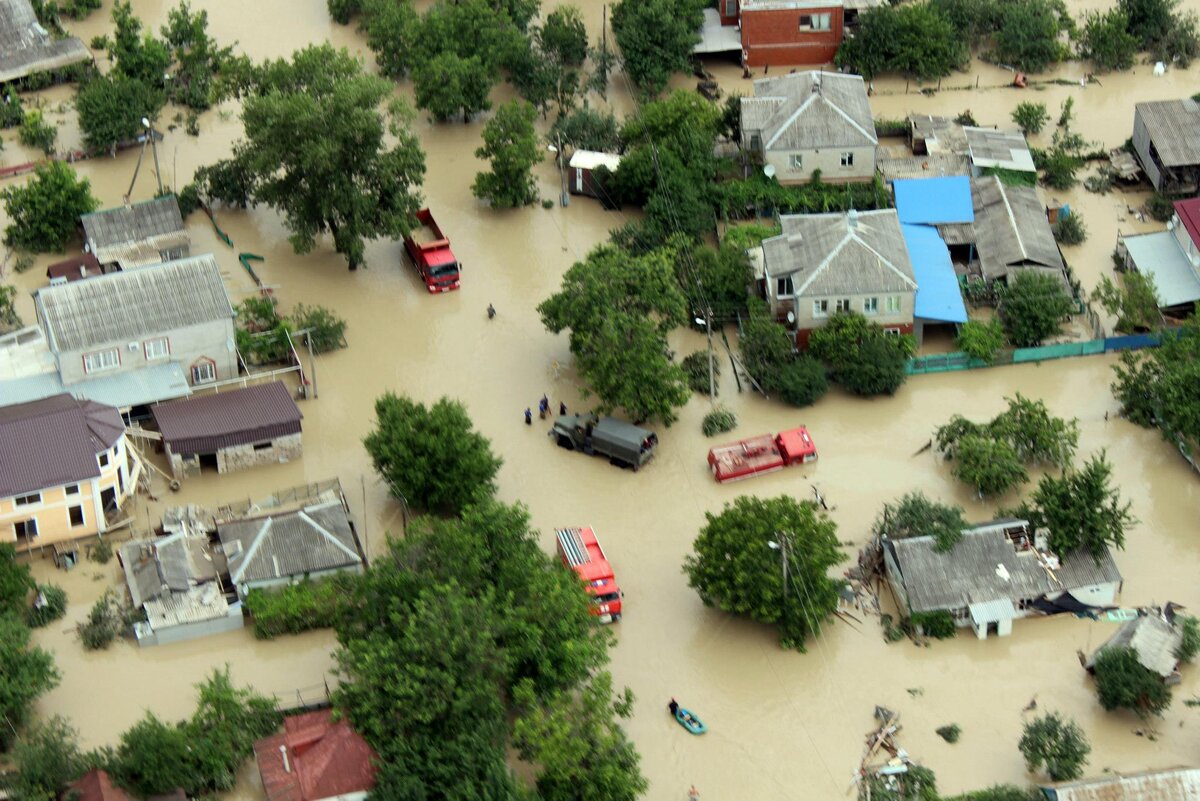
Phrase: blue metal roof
x=934 y=201
x=938 y=297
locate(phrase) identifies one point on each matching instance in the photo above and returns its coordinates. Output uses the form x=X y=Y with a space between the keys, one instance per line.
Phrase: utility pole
x=154 y=150
x=712 y=389
x=562 y=174
x=782 y=543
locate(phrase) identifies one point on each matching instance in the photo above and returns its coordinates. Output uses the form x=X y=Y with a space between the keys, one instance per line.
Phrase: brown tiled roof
x=324 y=759
x=209 y=423
x=75 y=268
x=95 y=785
x=53 y=441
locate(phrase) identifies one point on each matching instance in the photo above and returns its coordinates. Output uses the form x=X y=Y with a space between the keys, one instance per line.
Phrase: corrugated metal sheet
x=1011 y=229
x=938 y=295
x=120 y=390
x=134 y=235
x=54 y=441
x=1171 y=784
x=130 y=305
x=209 y=423
x=806 y=110
x=1174 y=128
x=1158 y=255
x=985 y=566
x=314 y=539
x=1153 y=638
x=26 y=47
x=1007 y=150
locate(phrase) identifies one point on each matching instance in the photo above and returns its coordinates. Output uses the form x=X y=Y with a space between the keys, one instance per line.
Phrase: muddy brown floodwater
x=783 y=725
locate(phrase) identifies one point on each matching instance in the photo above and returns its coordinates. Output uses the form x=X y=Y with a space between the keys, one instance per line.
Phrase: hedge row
x=296 y=607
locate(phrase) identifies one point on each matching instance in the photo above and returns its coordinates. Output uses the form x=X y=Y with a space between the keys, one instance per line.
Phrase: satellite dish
x=791 y=318
x=769 y=170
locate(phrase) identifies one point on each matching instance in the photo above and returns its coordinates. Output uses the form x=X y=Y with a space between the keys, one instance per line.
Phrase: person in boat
x=673 y=706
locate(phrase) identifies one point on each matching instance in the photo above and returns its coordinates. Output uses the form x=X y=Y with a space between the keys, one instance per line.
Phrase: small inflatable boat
x=689 y=721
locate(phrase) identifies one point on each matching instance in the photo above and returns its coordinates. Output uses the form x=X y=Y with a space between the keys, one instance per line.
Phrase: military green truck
x=624 y=444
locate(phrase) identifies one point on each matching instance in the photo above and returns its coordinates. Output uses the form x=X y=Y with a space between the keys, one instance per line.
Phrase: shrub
x=326 y=331
x=101 y=552
x=696 y=367
x=189 y=200
x=1122 y=682
x=1032 y=307
x=1160 y=207
x=296 y=607
x=37 y=131
x=802 y=381
x=860 y=355
x=45 y=211
x=949 y=733
x=1056 y=744
x=914 y=515
x=718 y=421
x=991 y=466
x=51 y=604
x=980 y=340
x=1070 y=230
x=1189 y=646
x=104 y=622
x=11 y=112
x=938 y=624
x=1031 y=117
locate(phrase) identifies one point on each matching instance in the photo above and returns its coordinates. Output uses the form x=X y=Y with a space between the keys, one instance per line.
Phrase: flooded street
x=782 y=725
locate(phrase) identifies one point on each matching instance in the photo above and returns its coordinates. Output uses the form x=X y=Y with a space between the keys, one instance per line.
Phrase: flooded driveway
x=782 y=725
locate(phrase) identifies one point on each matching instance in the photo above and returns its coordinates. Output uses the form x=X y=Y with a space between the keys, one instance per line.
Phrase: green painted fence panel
x=1094 y=346
x=1043 y=352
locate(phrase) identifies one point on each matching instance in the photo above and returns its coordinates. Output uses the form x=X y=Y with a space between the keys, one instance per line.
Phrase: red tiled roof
x=324 y=759
x=1189 y=215
x=95 y=785
x=75 y=268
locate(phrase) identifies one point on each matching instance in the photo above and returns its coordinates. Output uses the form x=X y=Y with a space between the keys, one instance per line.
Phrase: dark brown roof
x=75 y=268
x=53 y=441
x=238 y=417
x=325 y=759
x=95 y=785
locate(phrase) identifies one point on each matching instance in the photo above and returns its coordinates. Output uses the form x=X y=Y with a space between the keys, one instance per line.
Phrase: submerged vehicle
x=624 y=444
x=430 y=252
x=762 y=454
x=580 y=550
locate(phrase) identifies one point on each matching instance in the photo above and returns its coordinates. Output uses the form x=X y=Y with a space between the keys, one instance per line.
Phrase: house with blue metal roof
x=923 y=205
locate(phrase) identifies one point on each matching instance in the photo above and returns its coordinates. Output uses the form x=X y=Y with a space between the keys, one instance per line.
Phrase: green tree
x=1056 y=745
x=1169 y=34
x=153 y=758
x=564 y=36
x=511 y=145
x=483 y=29
x=1134 y=303
x=343 y=11
x=9 y=319
x=394 y=33
x=587 y=128
x=48 y=759
x=1031 y=118
x=222 y=731
x=431 y=458
x=37 y=131
x=15 y=582
x=448 y=85
x=860 y=355
x=1070 y=230
x=802 y=381
x=736 y=565
x=1123 y=682
x=1037 y=436
x=619 y=309
x=1032 y=307
x=1001 y=792
x=315 y=151
x=134 y=54
x=44 y=212
x=766 y=347
x=1106 y=40
x=991 y=466
x=1189 y=642
x=1028 y=36
x=111 y=109
x=204 y=73
x=25 y=673
x=914 y=515
x=914 y=39
x=973 y=20
x=980 y=340
x=1161 y=386
x=656 y=38
x=1083 y=510
x=577 y=741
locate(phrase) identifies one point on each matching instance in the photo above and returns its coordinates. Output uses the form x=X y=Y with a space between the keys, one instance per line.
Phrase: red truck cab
x=580 y=550
x=430 y=252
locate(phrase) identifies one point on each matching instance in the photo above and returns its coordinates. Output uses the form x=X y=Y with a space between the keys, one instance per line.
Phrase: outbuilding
x=232 y=430
x=583 y=164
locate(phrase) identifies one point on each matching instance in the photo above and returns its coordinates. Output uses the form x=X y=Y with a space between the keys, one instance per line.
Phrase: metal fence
x=948 y=362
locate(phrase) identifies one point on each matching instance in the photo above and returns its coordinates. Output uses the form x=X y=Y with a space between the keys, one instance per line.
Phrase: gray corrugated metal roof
x=121 y=390
x=942 y=135
x=1169 y=784
x=971 y=572
x=932 y=165
x=160 y=567
x=1174 y=127
x=1158 y=255
x=291 y=544
x=26 y=47
x=126 y=306
x=135 y=235
x=990 y=147
x=1153 y=638
x=808 y=110
x=992 y=611
x=54 y=441
x=207 y=423
x=1011 y=229
x=841 y=253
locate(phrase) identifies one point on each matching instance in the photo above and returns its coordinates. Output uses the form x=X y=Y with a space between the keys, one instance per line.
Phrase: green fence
x=1060 y=351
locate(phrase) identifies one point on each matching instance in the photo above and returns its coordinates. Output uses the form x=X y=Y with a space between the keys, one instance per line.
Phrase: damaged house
x=1154 y=637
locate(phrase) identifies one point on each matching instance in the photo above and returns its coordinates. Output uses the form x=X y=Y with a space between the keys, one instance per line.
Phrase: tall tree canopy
x=44 y=212
x=512 y=147
x=316 y=151
x=656 y=38
x=1160 y=386
x=619 y=309
x=1082 y=509
x=914 y=39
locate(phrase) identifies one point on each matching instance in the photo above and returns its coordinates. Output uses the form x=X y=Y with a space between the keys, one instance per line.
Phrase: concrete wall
x=233 y=620
x=773 y=37
x=1141 y=145
x=807 y=320
x=240 y=457
x=212 y=340
x=53 y=512
x=827 y=160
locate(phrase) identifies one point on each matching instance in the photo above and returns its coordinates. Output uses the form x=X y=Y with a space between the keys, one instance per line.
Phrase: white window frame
x=159 y=348
x=796 y=160
x=28 y=499
x=821 y=308
x=841 y=305
x=892 y=304
x=822 y=22
x=204 y=372
x=848 y=158
x=784 y=287
x=892 y=331
x=870 y=305
x=102 y=360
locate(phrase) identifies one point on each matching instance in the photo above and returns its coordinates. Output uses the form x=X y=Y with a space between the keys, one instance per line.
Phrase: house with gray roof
x=286 y=548
x=64 y=467
x=1168 y=784
x=175 y=581
x=1166 y=141
x=137 y=235
x=822 y=264
x=174 y=317
x=994 y=149
x=998 y=572
x=1011 y=231
x=27 y=48
x=807 y=122
x=1154 y=636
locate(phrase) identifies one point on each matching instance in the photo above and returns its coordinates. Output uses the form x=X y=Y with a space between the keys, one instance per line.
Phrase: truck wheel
x=617 y=617
x=565 y=442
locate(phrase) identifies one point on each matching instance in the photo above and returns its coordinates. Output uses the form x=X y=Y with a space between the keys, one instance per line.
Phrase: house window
x=847 y=159
x=756 y=142
x=28 y=500
x=820 y=308
x=892 y=332
x=76 y=514
x=892 y=304
x=783 y=287
x=731 y=8
x=104 y=459
x=25 y=529
x=72 y=489
x=101 y=360
x=264 y=446
x=204 y=371
x=815 y=22
x=156 y=348
x=797 y=161
x=843 y=305
x=870 y=305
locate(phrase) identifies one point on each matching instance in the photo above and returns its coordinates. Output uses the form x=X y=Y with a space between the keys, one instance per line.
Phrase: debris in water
x=915 y=691
x=949 y=733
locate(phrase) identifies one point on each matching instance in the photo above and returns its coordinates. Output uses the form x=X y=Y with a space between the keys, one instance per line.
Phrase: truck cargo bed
x=424 y=235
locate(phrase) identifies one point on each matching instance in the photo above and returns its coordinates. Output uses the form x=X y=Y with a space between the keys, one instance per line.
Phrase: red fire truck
x=430 y=252
x=581 y=551
x=763 y=454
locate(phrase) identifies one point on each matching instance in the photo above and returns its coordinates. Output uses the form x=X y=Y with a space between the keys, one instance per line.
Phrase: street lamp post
x=782 y=543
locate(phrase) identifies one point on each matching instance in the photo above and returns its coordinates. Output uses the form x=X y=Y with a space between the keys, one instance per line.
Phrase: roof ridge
x=783 y=126
x=329 y=536
x=248 y=556
x=824 y=263
x=883 y=259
